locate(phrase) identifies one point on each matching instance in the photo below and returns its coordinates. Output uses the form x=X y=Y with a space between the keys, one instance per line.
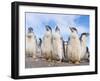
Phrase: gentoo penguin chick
x=31 y=43
x=58 y=52
x=74 y=47
x=47 y=44
x=84 y=49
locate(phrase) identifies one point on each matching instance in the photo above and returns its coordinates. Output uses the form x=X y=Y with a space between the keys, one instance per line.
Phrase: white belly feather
x=74 y=50
x=31 y=46
x=57 y=47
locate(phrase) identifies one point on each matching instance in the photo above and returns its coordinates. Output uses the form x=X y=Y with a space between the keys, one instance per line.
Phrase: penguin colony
x=53 y=48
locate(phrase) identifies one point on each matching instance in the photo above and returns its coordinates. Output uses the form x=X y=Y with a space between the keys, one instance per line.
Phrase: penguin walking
x=47 y=44
x=84 y=48
x=58 y=52
x=74 y=47
x=31 y=44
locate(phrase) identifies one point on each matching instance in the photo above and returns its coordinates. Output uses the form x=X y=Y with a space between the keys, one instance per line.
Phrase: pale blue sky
x=38 y=21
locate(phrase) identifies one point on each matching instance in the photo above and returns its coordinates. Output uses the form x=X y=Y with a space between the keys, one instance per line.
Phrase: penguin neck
x=57 y=35
x=48 y=36
x=30 y=35
x=48 y=32
x=75 y=38
x=74 y=41
x=83 y=43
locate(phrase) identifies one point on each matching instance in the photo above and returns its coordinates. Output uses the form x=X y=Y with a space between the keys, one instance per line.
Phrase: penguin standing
x=84 y=48
x=39 y=48
x=47 y=44
x=58 y=52
x=74 y=47
x=87 y=55
x=65 y=46
x=31 y=44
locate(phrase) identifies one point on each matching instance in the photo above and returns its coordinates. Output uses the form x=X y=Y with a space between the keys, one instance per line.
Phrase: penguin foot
x=59 y=61
x=77 y=62
x=49 y=60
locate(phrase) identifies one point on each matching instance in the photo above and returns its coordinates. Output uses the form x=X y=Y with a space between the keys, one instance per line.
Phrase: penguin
x=84 y=48
x=74 y=47
x=87 y=55
x=47 y=44
x=58 y=52
x=39 y=48
x=65 y=46
x=31 y=44
x=40 y=42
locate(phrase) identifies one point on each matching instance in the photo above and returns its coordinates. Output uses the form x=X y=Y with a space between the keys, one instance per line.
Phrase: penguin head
x=74 y=32
x=48 y=28
x=30 y=30
x=84 y=36
x=57 y=29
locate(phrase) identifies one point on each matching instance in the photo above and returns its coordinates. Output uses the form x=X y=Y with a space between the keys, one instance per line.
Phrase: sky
x=38 y=21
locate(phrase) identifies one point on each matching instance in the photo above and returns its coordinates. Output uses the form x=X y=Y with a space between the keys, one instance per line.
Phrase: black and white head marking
x=48 y=28
x=84 y=34
x=73 y=29
x=30 y=29
x=57 y=28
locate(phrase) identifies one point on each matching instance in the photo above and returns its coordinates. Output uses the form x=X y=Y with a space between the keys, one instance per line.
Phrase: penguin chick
x=47 y=44
x=31 y=44
x=58 y=53
x=84 y=49
x=74 y=47
x=39 y=48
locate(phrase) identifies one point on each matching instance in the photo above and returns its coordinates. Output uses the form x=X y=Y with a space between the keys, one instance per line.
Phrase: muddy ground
x=40 y=62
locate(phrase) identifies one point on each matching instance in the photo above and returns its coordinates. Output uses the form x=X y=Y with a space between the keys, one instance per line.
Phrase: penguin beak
x=87 y=34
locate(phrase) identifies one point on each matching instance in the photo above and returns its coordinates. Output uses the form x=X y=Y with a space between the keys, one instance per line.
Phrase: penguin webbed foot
x=77 y=62
x=74 y=62
x=59 y=61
